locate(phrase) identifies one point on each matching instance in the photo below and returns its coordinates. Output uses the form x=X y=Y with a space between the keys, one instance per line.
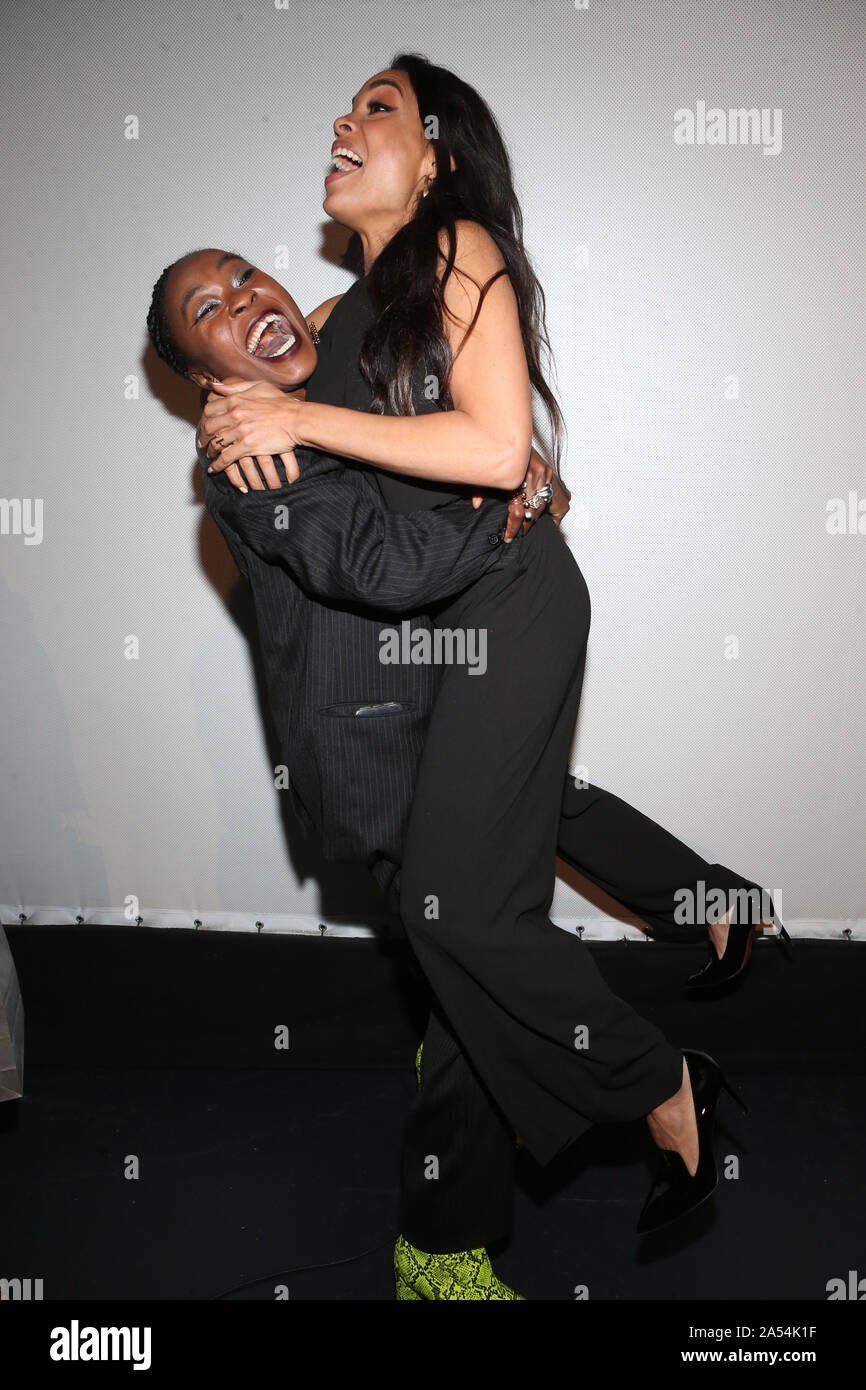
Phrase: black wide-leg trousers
x=642 y=866
x=524 y=1035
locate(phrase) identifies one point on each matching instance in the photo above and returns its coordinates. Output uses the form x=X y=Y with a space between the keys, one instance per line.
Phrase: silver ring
x=544 y=494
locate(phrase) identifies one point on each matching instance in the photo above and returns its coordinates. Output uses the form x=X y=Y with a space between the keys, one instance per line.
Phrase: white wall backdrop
x=699 y=512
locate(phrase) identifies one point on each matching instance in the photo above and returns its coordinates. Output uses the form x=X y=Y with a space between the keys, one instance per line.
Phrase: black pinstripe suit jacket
x=330 y=568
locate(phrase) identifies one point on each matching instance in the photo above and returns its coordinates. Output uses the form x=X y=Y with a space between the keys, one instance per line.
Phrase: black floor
x=259 y=1168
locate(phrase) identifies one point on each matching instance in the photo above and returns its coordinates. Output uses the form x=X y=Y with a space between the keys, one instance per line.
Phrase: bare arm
x=484 y=441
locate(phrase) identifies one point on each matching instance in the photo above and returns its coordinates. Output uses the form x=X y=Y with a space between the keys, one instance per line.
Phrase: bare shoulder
x=320 y=315
x=477 y=261
x=475 y=251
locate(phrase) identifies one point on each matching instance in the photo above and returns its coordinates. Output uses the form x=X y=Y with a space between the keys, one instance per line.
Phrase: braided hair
x=157 y=325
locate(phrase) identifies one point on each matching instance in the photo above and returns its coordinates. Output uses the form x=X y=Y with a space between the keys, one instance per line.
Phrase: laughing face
x=380 y=154
x=230 y=319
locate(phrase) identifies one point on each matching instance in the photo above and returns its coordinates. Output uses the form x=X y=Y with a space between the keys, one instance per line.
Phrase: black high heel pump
x=675 y=1191
x=719 y=970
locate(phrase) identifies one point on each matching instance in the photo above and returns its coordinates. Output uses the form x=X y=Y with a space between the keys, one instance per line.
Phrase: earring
x=314 y=332
x=426 y=189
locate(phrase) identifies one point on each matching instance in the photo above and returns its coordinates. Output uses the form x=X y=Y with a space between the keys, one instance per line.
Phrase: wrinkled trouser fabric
x=524 y=1036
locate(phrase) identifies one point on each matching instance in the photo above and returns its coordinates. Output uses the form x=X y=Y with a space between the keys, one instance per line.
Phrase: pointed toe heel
x=676 y=1192
x=721 y=970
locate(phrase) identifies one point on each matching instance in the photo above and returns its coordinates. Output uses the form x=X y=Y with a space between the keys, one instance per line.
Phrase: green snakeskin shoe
x=466 y=1274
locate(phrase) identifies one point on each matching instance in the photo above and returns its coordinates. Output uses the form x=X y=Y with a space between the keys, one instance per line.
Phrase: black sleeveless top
x=337 y=380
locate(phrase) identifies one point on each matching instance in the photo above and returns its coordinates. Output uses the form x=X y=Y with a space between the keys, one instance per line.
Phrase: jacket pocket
x=368 y=753
x=367 y=709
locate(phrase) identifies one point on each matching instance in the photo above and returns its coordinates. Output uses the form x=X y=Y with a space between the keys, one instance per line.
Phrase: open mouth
x=346 y=159
x=270 y=335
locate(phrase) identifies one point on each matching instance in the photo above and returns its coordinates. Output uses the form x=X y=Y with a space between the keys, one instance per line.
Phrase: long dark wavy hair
x=404 y=280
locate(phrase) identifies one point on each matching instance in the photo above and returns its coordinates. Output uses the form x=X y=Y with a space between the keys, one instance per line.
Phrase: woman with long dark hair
x=443 y=340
